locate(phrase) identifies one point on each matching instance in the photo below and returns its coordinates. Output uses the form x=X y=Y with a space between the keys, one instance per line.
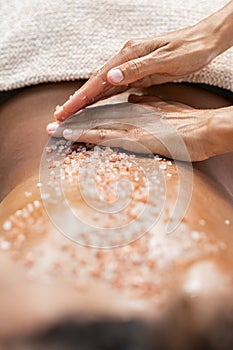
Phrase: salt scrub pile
x=108 y=197
x=134 y=273
x=21 y=225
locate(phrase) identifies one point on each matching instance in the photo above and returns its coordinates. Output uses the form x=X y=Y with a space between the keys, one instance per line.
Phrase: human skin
x=206 y=133
x=157 y=60
x=160 y=59
x=29 y=304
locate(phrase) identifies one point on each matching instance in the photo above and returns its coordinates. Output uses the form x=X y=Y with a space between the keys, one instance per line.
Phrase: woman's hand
x=156 y=60
x=145 y=125
x=145 y=62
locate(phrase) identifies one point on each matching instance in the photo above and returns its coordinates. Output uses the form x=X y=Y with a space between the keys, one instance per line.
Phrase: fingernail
x=115 y=75
x=52 y=127
x=67 y=133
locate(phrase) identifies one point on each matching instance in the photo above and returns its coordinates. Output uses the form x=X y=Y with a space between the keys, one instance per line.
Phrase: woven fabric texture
x=61 y=40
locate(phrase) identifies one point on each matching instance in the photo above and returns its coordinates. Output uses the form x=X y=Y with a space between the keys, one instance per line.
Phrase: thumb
x=133 y=70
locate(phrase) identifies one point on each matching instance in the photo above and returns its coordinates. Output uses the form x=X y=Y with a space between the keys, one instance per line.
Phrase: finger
x=98 y=85
x=97 y=135
x=66 y=112
x=56 y=129
x=95 y=88
x=52 y=129
x=111 y=91
x=76 y=102
x=136 y=69
x=125 y=139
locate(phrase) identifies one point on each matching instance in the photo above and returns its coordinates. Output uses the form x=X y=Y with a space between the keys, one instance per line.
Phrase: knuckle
x=131 y=43
x=128 y=43
x=135 y=67
x=101 y=134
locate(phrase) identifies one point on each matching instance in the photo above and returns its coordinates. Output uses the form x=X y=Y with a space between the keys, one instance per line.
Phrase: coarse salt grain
x=195 y=235
x=30 y=207
x=39 y=184
x=7 y=225
x=36 y=203
x=157 y=157
x=18 y=213
x=163 y=166
x=227 y=222
x=5 y=245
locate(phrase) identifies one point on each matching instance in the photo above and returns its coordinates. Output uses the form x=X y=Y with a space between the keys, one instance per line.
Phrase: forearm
x=221 y=131
x=220 y=28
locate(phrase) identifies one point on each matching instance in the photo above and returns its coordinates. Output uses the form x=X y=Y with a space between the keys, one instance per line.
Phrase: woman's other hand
x=150 y=124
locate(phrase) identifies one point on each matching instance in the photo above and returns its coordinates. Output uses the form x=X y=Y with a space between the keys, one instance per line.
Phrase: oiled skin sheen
x=28 y=305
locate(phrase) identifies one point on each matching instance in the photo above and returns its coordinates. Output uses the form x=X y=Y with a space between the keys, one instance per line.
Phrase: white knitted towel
x=58 y=40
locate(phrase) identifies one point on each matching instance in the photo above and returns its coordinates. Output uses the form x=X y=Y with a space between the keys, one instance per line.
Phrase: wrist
x=220 y=131
x=219 y=29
